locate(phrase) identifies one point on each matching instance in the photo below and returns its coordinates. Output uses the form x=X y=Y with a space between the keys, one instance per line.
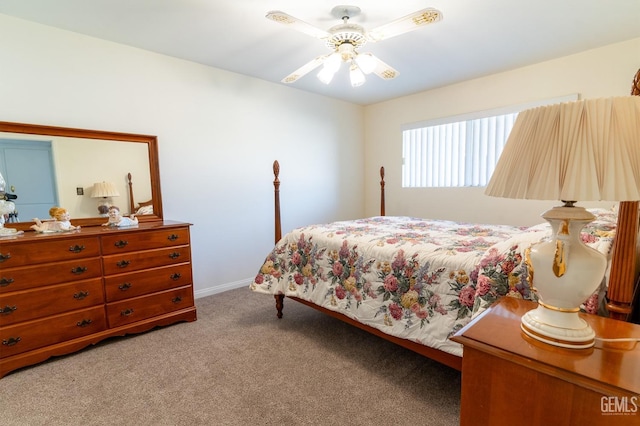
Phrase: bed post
x=278 y=226
x=623 y=264
x=276 y=204
x=382 y=202
x=620 y=293
x=131 y=202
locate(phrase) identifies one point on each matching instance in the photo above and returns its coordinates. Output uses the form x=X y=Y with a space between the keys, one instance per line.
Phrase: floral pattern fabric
x=412 y=278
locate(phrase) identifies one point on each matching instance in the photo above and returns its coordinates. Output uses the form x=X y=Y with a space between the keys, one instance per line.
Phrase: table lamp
x=104 y=191
x=585 y=150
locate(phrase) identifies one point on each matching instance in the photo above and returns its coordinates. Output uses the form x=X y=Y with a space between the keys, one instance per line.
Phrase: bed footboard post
x=279 y=304
x=382 y=201
x=278 y=226
x=276 y=195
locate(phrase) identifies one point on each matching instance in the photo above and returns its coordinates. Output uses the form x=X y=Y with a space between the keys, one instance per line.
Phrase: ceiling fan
x=345 y=39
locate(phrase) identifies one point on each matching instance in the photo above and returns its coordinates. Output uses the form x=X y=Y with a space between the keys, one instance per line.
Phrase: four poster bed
x=416 y=282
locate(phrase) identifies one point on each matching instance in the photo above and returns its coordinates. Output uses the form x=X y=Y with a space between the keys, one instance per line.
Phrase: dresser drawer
x=36 y=303
x=135 y=261
x=43 y=251
x=140 y=308
x=31 y=335
x=135 y=241
x=118 y=287
x=14 y=279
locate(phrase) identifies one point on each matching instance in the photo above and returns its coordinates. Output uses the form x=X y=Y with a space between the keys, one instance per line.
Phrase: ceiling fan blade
x=383 y=70
x=405 y=24
x=297 y=24
x=305 y=69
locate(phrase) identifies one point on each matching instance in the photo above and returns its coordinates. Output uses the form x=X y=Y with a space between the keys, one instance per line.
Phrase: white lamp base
x=565 y=273
x=558 y=328
x=6 y=207
x=5 y=232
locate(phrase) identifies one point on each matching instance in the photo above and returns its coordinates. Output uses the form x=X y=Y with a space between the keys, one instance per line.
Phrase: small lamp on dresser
x=6 y=207
x=585 y=150
x=104 y=191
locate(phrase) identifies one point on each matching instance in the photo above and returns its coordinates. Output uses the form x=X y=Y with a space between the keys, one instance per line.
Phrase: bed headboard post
x=131 y=202
x=623 y=262
x=382 y=201
x=622 y=277
x=276 y=194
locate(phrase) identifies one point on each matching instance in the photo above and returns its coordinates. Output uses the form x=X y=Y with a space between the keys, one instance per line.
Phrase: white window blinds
x=458 y=152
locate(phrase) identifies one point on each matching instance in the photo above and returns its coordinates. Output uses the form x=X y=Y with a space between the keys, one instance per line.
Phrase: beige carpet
x=237 y=365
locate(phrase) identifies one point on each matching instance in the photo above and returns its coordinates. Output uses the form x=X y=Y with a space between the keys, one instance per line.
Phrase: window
x=458 y=151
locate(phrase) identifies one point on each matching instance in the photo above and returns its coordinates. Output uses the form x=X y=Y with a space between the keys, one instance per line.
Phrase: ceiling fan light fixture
x=326 y=75
x=356 y=76
x=366 y=62
x=333 y=62
x=347 y=51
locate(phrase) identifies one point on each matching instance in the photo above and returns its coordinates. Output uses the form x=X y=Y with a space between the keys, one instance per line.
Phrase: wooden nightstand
x=511 y=379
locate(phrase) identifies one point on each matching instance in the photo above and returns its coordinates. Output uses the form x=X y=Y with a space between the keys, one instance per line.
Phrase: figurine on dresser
x=61 y=221
x=117 y=220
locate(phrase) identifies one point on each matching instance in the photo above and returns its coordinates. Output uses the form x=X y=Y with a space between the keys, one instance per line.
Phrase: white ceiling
x=475 y=37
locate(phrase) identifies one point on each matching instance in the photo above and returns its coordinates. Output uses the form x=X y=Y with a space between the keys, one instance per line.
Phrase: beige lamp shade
x=104 y=190
x=585 y=150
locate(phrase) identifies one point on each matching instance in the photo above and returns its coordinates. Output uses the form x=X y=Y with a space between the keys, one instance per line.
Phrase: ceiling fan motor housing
x=346 y=33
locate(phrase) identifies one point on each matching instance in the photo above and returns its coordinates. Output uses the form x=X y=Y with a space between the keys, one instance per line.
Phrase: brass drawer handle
x=123 y=263
x=76 y=248
x=84 y=323
x=81 y=295
x=126 y=312
x=177 y=299
x=172 y=237
x=4 y=282
x=79 y=270
x=4 y=257
x=121 y=243
x=7 y=310
x=176 y=276
x=174 y=255
x=11 y=341
x=124 y=286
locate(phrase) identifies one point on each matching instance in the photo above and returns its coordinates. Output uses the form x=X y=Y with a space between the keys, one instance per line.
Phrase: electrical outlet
x=80 y=191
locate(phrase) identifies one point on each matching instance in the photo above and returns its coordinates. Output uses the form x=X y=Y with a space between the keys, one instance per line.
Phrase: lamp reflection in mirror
x=575 y=151
x=104 y=191
x=6 y=207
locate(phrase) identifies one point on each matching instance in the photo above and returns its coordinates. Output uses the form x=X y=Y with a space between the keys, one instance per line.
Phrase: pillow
x=144 y=210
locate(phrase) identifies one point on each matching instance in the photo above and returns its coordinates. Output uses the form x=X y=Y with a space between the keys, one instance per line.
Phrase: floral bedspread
x=416 y=279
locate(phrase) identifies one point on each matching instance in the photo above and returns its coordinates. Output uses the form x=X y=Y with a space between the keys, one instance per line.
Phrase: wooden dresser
x=511 y=379
x=62 y=292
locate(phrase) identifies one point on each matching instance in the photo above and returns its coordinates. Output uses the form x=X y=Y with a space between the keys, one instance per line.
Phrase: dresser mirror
x=81 y=158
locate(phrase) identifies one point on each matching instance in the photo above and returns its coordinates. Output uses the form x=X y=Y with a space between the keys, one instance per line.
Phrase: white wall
x=602 y=72
x=218 y=134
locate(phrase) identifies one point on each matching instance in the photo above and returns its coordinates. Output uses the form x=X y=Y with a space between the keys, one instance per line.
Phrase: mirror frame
x=154 y=169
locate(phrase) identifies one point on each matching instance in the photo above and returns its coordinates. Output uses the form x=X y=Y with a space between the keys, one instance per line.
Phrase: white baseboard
x=221 y=288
